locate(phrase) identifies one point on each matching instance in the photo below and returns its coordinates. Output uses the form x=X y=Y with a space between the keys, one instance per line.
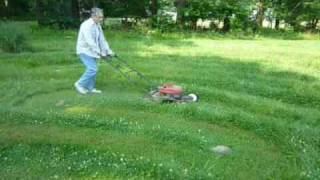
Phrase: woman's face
x=98 y=19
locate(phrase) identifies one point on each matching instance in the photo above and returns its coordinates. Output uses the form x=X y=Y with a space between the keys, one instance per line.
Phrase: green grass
x=260 y=97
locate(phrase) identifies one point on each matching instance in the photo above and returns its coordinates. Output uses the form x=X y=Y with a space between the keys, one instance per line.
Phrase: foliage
x=3 y=9
x=234 y=15
x=62 y=14
x=17 y=9
x=163 y=22
x=195 y=10
x=311 y=14
x=296 y=12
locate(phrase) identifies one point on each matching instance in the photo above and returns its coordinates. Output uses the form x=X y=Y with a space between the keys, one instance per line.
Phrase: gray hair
x=96 y=12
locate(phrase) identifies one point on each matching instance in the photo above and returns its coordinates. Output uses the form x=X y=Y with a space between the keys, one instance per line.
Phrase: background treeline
x=218 y=15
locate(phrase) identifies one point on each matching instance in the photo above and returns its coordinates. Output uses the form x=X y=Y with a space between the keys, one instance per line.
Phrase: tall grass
x=14 y=37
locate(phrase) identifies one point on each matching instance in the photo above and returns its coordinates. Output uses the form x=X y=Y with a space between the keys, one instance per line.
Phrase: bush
x=163 y=22
x=14 y=36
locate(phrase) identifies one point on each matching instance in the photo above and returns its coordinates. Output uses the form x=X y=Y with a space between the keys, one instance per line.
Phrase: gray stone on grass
x=60 y=103
x=222 y=150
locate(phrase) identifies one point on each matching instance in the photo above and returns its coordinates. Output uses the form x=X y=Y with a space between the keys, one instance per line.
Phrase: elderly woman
x=91 y=45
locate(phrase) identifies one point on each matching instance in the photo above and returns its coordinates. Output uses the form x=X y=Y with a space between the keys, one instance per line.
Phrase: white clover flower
x=185 y=171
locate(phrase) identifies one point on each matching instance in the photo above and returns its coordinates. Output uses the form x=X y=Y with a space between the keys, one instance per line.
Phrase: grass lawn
x=260 y=97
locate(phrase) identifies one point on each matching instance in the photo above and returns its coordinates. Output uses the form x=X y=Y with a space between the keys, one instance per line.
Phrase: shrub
x=163 y=22
x=14 y=36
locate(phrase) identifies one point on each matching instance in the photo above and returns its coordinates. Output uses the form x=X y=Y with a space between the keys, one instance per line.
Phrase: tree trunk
x=314 y=24
x=75 y=12
x=154 y=7
x=277 y=25
x=226 y=24
x=40 y=14
x=194 y=24
x=276 y=8
x=261 y=10
x=296 y=27
x=75 y=9
x=3 y=9
x=180 y=5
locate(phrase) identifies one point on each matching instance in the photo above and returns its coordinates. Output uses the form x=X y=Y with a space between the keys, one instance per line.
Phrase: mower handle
x=124 y=63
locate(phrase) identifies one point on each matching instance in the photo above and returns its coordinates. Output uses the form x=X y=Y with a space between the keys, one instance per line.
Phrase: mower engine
x=171 y=93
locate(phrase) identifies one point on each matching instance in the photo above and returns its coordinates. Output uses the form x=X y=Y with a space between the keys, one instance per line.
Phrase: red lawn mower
x=168 y=92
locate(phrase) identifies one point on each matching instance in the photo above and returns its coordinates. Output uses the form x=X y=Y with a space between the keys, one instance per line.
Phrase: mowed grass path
x=259 y=97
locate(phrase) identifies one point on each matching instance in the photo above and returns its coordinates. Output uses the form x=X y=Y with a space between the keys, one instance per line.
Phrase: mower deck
x=170 y=93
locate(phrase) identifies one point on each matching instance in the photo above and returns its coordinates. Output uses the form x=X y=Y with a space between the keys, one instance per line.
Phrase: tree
x=16 y=9
x=293 y=8
x=296 y=12
x=311 y=14
x=62 y=13
x=180 y=6
x=234 y=13
x=261 y=6
x=154 y=7
x=230 y=12
x=196 y=10
x=278 y=12
x=3 y=9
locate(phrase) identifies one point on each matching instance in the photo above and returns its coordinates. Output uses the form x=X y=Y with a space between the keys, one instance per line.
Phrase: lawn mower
x=167 y=92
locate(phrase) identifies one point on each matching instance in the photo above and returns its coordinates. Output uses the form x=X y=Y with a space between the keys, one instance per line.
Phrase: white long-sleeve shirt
x=91 y=40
